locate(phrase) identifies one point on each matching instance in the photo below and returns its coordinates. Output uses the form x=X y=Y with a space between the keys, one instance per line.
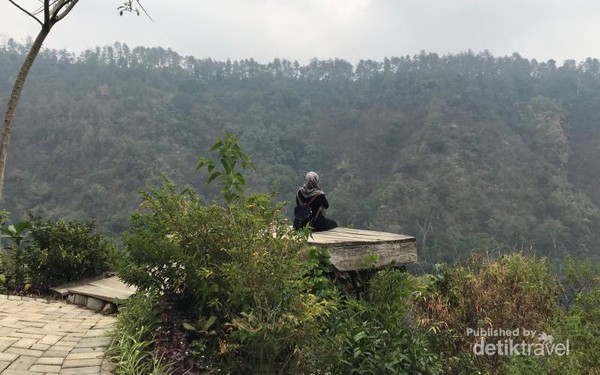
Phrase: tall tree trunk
x=15 y=95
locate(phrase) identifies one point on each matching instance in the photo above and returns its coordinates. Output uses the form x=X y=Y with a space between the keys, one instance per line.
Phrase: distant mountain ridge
x=465 y=152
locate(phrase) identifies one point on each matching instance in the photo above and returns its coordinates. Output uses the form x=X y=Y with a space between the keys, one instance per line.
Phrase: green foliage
x=13 y=265
x=374 y=335
x=131 y=348
x=63 y=251
x=578 y=323
x=239 y=263
x=3 y=216
x=253 y=305
x=229 y=154
x=316 y=270
x=45 y=253
x=16 y=233
x=511 y=292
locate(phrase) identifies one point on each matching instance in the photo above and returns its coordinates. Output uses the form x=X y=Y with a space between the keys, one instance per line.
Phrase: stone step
x=99 y=294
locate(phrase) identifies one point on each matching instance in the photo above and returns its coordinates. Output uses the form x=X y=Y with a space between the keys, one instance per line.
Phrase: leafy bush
x=43 y=253
x=374 y=335
x=239 y=264
x=63 y=251
x=578 y=323
x=13 y=269
x=133 y=333
x=511 y=292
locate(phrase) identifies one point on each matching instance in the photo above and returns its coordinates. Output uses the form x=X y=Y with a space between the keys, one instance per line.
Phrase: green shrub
x=62 y=251
x=13 y=268
x=42 y=253
x=578 y=323
x=511 y=292
x=375 y=335
x=133 y=333
x=238 y=266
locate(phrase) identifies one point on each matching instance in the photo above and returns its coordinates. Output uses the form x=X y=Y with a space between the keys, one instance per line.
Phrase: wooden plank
x=353 y=257
x=106 y=289
x=343 y=235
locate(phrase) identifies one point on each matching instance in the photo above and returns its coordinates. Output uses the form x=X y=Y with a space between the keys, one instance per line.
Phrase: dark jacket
x=317 y=219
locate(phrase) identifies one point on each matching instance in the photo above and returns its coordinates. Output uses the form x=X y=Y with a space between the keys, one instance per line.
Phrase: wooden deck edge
x=360 y=257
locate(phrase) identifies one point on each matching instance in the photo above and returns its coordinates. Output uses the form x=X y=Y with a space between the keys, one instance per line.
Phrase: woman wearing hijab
x=311 y=194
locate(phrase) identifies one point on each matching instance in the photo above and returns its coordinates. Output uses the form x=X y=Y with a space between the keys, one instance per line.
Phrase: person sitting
x=311 y=195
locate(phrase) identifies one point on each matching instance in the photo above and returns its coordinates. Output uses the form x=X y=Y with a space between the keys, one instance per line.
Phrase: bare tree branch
x=57 y=17
x=26 y=12
x=128 y=6
x=143 y=9
x=41 y=7
x=46 y=12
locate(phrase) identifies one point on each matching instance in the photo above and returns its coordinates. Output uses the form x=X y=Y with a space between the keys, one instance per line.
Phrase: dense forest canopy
x=464 y=152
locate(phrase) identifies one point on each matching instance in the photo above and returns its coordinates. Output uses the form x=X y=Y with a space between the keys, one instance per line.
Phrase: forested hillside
x=464 y=152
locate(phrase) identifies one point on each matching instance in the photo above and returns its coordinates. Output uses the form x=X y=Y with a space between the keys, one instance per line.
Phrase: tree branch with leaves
x=229 y=153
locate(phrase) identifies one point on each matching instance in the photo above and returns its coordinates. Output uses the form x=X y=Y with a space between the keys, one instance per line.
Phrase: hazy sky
x=349 y=29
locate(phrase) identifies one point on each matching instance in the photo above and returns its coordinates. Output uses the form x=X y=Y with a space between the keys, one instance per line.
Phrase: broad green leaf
x=212 y=177
x=216 y=146
x=210 y=322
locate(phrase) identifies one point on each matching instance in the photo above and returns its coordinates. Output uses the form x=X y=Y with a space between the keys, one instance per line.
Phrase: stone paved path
x=38 y=336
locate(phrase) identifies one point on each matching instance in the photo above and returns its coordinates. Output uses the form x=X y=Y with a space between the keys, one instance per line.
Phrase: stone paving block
x=25 y=335
x=22 y=363
x=40 y=347
x=7 y=357
x=50 y=361
x=24 y=343
x=34 y=323
x=97 y=333
x=94 y=342
x=8 y=340
x=24 y=352
x=46 y=369
x=86 y=362
x=18 y=372
x=49 y=339
x=93 y=320
x=85 y=350
x=30 y=315
x=85 y=355
x=52 y=308
x=75 y=330
x=67 y=346
x=9 y=319
x=105 y=325
x=85 y=313
x=4 y=364
x=56 y=353
x=69 y=338
x=80 y=371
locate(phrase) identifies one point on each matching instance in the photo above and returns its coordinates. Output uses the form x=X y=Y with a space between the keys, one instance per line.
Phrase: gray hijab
x=311 y=185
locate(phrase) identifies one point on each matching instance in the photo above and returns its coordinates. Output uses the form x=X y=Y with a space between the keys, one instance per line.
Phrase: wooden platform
x=109 y=289
x=352 y=249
